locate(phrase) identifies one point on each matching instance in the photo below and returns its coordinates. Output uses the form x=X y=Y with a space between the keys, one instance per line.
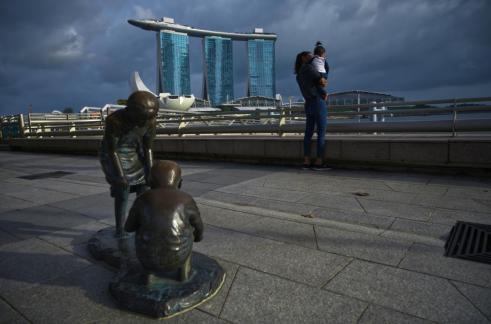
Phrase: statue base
x=160 y=297
x=105 y=246
x=164 y=297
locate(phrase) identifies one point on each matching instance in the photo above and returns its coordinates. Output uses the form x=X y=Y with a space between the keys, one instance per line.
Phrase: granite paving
x=342 y=246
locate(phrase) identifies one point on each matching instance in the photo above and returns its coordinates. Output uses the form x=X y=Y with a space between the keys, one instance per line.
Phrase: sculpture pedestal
x=165 y=297
x=104 y=246
x=160 y=297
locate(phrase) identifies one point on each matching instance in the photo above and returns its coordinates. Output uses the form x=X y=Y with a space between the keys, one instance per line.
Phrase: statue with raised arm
x=126 y=150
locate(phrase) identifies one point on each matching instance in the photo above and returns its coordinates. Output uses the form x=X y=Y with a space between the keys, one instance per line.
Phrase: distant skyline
x=58 y=54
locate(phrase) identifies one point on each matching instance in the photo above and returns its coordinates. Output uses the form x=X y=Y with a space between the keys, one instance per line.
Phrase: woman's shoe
x=321 y=167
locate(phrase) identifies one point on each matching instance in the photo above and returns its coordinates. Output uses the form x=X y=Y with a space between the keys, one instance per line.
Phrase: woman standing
x=308 y=80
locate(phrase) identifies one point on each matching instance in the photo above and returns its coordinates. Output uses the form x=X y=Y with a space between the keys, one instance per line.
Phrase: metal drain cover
x=469 y=241
x=54 y=174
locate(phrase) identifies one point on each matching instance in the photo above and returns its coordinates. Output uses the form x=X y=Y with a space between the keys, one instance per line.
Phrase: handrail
x=355 y=118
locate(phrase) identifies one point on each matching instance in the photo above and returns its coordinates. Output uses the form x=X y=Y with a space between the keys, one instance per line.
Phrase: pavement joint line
x=315 y=238
x=361 y=205
x=228 y=292
x=397 y=235
x=470 y=301
x=406 y=251
x=323 y=286
x=341 y=255
x=15 y=309
x=362 y=313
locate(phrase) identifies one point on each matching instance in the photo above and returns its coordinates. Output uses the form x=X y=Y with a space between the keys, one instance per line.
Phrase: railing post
x=182 y=124
x=454 y=132
x=29 y=123
x=21 y=125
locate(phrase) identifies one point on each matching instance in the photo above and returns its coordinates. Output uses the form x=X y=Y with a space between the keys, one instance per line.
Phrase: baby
x=319 y=62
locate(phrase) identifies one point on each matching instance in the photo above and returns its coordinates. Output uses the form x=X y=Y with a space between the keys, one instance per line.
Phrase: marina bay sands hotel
x=173 y=75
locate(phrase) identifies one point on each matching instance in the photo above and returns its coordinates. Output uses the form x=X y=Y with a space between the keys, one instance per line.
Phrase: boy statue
x=126 y=150
x=166 y=221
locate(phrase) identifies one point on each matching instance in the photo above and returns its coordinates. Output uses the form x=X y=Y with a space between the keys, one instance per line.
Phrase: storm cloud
x=56 y=54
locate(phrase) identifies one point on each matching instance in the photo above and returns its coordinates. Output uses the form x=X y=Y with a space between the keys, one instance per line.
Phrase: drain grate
x=54 y=174
x=469 y=241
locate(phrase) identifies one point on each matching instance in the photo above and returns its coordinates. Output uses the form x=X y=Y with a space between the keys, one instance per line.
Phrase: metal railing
x=429 y=116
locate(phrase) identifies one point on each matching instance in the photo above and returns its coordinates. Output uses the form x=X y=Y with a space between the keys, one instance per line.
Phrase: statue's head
x=165 y=173
x=142 y=106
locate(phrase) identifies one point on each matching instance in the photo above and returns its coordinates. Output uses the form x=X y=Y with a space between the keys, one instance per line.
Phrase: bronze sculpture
x=126 y=150
x=170 y=278
x=166 y=221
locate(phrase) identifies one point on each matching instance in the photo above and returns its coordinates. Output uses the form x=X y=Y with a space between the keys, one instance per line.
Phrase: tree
x=68 y=110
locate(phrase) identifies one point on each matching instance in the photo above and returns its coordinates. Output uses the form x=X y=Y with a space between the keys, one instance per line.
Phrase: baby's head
x=165 y=174
x=319 y=50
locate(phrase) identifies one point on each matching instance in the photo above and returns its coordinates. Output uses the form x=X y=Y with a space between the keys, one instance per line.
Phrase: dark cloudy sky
x=57 y=53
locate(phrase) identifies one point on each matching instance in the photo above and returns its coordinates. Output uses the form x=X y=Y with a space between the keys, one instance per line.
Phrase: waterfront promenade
x=342 y=246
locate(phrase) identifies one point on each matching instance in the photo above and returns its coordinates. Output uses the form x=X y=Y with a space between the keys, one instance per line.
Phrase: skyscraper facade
x=261 y=66
x=173 y=75
x=218 y=83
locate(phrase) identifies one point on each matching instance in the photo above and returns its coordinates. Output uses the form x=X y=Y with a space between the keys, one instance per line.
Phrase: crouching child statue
x=166 y=221
x=171 y=278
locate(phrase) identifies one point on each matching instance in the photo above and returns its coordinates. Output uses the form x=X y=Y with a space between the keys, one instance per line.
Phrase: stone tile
x=469 y=192
x=192 y=316
x=9 y=203
x=381 y=315
x=10 y=315
x=421 y=228
x=465 y=204
x=220 y=177
x=61 y=186
x=215 y=305
x=281 y=230
x=479 y=296
x=286 y=260
x=261 y=298
x=416 y=188
x=385 y=195
x=267 y=193
x=332 y=201
x=225 y=217
x=409 y=292
x=284 y=206
x=31 y=262
x=450 y=216
x=361 y=246
x=100 y=200
x=352 y=217
x=80 y=297
x=40 y=196
x=35 y=221
x=393 y=209
x=6 y=238
x=12 y=187
x=197 y=189
x=75 y=235
x=229 y=198
x=429 y=259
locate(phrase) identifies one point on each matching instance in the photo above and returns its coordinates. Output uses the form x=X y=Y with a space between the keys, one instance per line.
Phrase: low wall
x=369 y=151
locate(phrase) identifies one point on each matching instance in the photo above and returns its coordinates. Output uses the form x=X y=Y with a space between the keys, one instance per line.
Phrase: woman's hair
x=319 y=49
x=298 y=61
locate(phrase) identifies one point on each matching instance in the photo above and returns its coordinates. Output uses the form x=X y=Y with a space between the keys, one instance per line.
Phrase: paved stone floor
x=340 y=246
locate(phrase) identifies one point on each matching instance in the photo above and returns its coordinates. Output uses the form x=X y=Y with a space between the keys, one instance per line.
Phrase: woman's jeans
x=316 y=113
